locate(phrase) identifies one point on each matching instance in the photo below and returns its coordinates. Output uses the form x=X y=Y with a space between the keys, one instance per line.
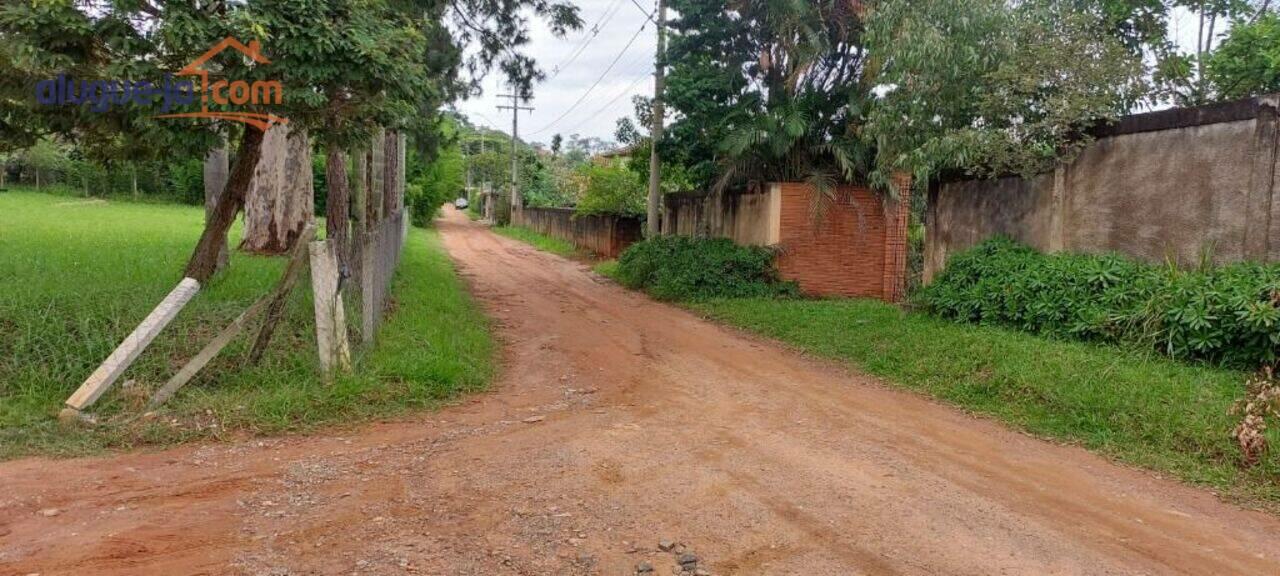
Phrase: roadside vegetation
x=1142 y=409
x=1129 y=403
x=681 y=268
x=538 y=240
x=77 y=275
x=1224 y=315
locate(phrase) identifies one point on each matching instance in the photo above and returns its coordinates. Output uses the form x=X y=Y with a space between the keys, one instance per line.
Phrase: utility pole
x=466 y=157
x=654 y=226
x=517 y=203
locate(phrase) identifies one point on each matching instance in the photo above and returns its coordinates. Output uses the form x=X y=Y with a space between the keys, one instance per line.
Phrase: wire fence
x=378 y=255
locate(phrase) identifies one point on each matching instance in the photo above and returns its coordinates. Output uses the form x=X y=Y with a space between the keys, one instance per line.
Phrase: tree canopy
x=347 y=66
x=979 y=86
x=1247 y=62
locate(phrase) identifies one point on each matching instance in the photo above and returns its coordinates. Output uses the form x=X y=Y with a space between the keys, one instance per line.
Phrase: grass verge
x=1139 y=409
x=77 y=276
x=538 y=240
x=607 y=268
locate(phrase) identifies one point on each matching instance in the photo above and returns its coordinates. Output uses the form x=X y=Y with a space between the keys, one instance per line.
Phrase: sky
x=619 y=21
x=583 y=57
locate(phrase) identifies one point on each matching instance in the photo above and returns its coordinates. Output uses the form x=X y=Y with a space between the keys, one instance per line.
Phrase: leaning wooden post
x=331 y=321
x=207 y=354
x=128 y=350
x=280 y=298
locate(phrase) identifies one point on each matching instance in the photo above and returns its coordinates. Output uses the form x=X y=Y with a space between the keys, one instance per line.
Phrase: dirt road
x=619 y=423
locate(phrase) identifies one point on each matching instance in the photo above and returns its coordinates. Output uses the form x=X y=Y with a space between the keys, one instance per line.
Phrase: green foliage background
x=1228 y=315
x=680 y=268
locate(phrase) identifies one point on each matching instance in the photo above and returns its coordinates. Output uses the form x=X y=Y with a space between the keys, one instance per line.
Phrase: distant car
x=461 y=203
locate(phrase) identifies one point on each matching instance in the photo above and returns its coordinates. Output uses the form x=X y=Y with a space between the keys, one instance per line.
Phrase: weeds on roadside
x=1260 y=404
x=1226 y=315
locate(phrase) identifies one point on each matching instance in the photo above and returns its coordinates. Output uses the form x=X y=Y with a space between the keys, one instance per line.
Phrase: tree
x=982 y=86
x=767 y=91
x=610 y=188
x=1247 y=62
x=346 y=66
x=280 y=202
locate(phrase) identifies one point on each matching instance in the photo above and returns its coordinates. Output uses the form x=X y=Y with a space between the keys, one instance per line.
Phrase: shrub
x=679 y=268
x=1228 y=315
x=610 y=188
x=424 y=201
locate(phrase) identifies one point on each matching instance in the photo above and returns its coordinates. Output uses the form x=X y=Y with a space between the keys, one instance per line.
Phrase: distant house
x=614 y=155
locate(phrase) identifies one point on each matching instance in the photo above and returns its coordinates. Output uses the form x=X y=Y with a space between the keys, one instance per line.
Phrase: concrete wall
x=857 y=248
x=1169 y=185
x=747 y=218
x=606 y=235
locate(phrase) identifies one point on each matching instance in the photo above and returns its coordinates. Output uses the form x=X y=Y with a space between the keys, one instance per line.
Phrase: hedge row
x=679 y=268
x=1228 y=315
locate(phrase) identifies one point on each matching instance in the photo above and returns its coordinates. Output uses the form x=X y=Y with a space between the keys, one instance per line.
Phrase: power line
x=597 y=82
x=642 y=10
x=607 y=104
x=595 y=31
x=629 y=66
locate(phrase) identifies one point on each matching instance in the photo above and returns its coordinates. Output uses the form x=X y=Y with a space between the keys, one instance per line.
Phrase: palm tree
x=803 y=126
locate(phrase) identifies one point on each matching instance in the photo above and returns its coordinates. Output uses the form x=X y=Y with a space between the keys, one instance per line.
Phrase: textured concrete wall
x=1168 y=194
x=968 y=212
x=606 y=235
x=748 y=218
x=1171 y=185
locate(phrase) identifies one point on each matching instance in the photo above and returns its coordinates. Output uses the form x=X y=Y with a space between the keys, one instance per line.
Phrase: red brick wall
x=859 y=248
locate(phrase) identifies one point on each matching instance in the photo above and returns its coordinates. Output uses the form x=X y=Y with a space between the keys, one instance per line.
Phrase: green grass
x=76 y=277
x=538 y=240
x=607 y=268
x=1143 y=410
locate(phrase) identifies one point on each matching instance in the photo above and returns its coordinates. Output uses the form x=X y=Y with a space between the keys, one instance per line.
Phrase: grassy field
x=537 y=240
x=1143 y=410
x=76 y=276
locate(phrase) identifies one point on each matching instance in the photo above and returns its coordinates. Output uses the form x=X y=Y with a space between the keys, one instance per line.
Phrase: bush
x=1228 y=315
x=610 y=189
x=679 y=268
x=423 y=203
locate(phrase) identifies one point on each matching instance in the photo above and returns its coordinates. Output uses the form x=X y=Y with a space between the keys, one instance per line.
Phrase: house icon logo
x=226 y=93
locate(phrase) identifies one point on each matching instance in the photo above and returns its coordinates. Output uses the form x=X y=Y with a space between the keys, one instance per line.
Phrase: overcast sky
x=601 y=106
x=619 y=22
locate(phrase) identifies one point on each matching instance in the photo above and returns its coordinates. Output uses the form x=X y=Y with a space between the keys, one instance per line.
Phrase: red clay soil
x=619 y=423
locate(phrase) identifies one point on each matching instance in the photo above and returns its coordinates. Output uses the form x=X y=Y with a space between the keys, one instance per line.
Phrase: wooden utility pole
x=654 y=224
x=517 y=203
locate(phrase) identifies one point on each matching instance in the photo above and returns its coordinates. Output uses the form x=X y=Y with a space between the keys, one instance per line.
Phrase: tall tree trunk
x=281 y=200
x=133 y=179
x=204 y=260
x=337 y=212
x=216 y=172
